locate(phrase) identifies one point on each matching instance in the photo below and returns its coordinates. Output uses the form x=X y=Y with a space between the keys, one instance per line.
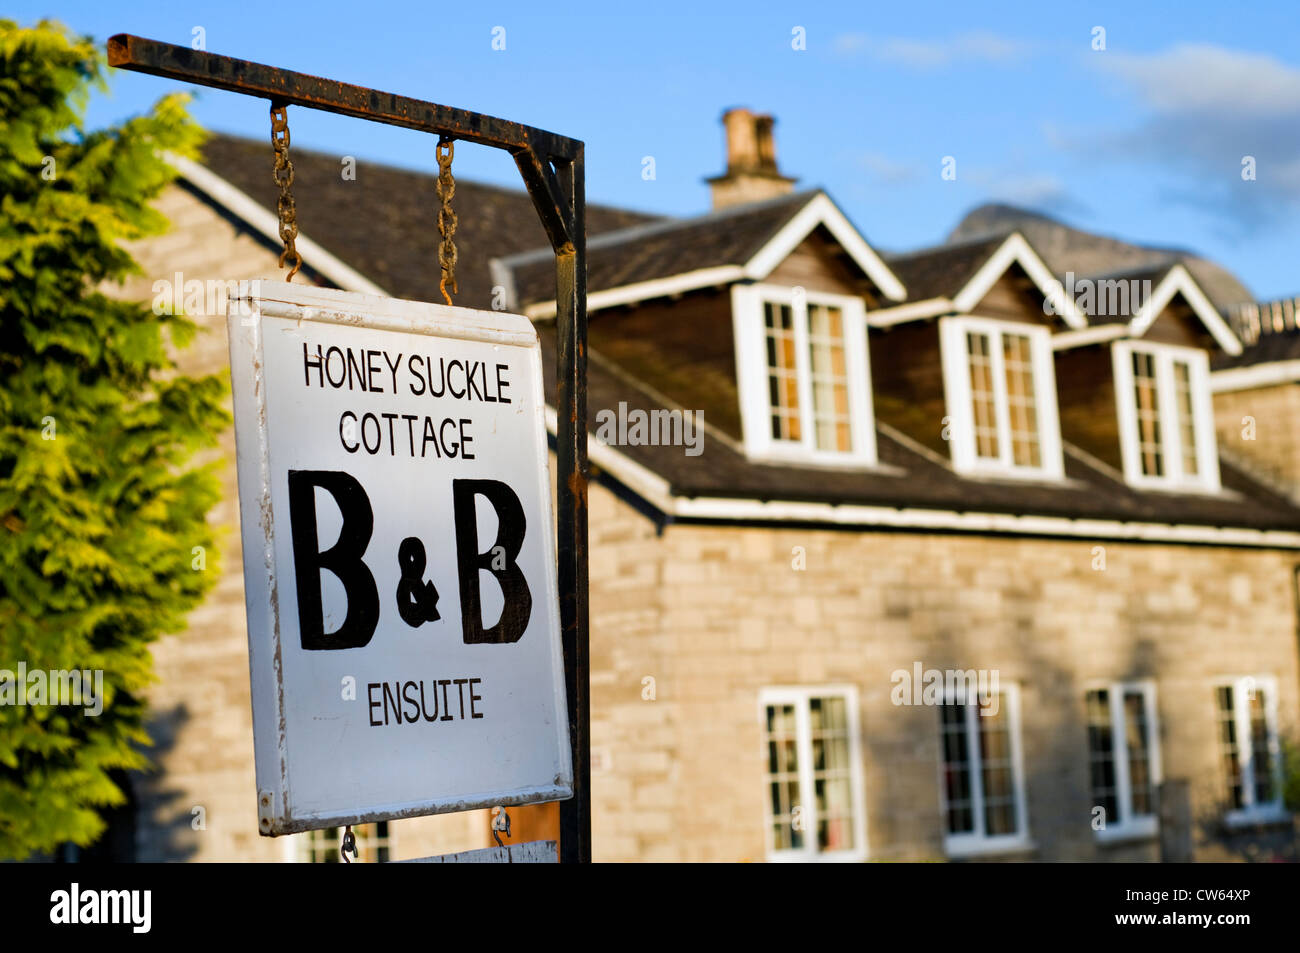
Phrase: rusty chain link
x=283 y=176
x=349 y=844
x=446 y=218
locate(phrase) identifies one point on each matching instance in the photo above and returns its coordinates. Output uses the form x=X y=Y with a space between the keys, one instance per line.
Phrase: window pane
x=830 y=379
x=1186 y=420
x=836 y=714
x=956 y=769
x=996 y=771
x=1228 y=745
x=829 y=729
x=783 y=777
x=982 y=396
x=1260 y=756
x=815 y=714
x=1148 y=414
x=323 y=846
x=1137 y=737
x=1101 y=755
x=783 y=383
x=1021 y=410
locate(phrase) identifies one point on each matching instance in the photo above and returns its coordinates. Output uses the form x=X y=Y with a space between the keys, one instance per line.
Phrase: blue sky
x=1143 y=140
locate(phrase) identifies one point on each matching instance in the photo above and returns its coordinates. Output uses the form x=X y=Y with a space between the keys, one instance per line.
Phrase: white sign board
x=399 y=558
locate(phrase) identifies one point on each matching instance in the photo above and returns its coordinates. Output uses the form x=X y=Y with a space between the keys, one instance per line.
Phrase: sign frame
x=278 y=812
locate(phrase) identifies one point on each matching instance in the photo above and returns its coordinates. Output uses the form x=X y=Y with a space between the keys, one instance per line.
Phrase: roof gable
x=1178 y=281
x=1014 y=296
x=1016 y=250
x=821 y=211
x=1120 y=306
x=739 y=243
x=955 y=278
x=820 y=263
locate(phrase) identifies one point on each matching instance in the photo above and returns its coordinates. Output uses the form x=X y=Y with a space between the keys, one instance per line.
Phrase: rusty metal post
x=571 y=462
x=552 y=170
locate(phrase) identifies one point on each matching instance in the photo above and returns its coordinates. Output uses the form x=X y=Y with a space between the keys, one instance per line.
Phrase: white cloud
x=1205 y=78
x=886 y=170
x=980 y=45
x=1208 y=107
x=849 y=42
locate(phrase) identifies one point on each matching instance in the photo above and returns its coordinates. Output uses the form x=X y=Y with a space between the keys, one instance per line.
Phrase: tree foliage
x=101 y=498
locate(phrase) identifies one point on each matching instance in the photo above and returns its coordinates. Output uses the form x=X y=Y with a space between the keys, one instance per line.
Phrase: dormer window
x=804 y=375
x=1001 y=398
x=1165 y=421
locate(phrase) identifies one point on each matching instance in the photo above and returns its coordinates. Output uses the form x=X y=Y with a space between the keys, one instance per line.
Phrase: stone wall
x=1271 y=444
x=716 y=614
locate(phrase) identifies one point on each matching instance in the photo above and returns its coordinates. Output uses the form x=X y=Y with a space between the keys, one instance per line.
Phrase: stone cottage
x=960 y=553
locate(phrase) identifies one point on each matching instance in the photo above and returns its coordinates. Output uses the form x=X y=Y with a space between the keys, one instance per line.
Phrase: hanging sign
x=399 y=558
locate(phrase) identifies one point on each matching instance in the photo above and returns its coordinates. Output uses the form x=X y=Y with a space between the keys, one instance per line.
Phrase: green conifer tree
x=102 y=501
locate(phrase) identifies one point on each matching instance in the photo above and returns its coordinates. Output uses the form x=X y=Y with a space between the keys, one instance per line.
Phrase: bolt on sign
x=399 y=558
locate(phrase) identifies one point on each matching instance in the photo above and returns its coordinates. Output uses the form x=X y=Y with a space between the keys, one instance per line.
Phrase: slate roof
x=943 y=270
x=729 y=236
x=1120 y=315
x=383 y=225
x=1269 y=349
x=1269 y=335
x=913 y=479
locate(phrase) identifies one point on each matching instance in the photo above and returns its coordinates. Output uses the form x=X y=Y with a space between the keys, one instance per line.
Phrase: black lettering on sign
x=398 y=703
x=469 y=560
x=417 y=600
x=343 y=559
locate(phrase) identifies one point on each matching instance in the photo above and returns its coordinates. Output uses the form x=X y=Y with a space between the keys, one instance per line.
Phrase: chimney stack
x=751 y=174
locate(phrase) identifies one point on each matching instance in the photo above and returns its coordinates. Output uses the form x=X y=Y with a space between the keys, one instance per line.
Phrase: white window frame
x=1126 y=826
x=1207 y=454
x=961 y=412
x=799 y=696
x=751 y=373
x=977 y=842
x=1252 y=813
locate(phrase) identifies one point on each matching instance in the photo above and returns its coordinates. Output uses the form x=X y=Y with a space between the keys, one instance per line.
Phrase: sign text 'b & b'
x=416 y=599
